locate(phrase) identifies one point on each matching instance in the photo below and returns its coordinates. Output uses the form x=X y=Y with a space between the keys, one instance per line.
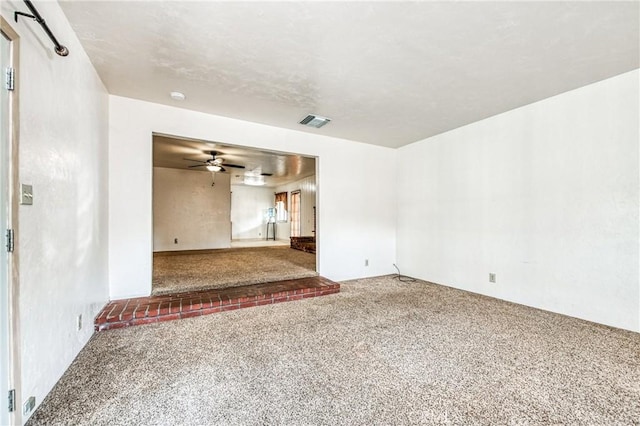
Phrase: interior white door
x=5 y=167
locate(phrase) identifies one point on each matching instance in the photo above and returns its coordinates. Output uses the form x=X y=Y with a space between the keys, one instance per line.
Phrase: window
x=281 y=207
x=295 y=214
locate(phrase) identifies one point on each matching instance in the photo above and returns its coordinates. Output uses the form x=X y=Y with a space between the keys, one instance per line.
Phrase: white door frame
x=11 y=169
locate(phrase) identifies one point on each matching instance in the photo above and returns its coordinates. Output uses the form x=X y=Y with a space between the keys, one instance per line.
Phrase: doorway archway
x=215 y=219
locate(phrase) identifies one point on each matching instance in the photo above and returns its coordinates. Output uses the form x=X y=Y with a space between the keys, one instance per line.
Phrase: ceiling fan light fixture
x=313 y=120
x=214 y=168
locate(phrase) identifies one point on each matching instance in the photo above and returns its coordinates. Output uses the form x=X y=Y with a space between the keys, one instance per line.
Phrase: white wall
x=187 y=207
x=545 y=196
x=307 y=188
x=248 y=205
x=350 y=202
x=63 y=236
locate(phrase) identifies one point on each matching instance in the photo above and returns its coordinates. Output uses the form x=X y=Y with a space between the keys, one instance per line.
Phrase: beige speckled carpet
x=175 y=272
x=379 y=352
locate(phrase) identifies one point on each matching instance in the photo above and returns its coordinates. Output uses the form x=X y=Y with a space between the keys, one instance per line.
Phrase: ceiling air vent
x=315 y=121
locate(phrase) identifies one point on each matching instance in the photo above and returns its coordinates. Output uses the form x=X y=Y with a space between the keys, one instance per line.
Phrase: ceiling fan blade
x=237 y=166
x=197 y=161
x=266 y=174
x=198 y=165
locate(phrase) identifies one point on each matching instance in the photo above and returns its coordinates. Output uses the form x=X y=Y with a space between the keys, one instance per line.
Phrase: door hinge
x=10 y=78
x=10 y=240
x=12 y=400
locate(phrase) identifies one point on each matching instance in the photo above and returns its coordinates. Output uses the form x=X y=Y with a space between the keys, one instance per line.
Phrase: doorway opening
x=222 y=215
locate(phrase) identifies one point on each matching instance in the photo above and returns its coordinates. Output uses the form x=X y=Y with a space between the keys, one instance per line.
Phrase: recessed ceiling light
x=178 y=96
x=313 y=120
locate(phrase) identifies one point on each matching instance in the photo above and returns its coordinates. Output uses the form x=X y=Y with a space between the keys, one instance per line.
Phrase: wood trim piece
x=14 y=183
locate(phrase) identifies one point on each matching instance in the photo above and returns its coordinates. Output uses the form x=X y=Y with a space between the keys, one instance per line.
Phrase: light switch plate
x=26 y=194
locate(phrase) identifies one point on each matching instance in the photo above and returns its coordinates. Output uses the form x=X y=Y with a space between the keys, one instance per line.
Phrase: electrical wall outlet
x=28 y=406
x=79 y=322
x=366 y=262
x=492 y=277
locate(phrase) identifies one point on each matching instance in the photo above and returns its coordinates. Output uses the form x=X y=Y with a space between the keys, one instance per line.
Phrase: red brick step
x=145 y=310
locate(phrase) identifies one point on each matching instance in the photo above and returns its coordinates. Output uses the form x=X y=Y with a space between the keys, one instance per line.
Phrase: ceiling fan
x=214 y=164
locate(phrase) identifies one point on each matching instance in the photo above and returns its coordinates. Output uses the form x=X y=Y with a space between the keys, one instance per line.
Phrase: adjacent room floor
x=181 y=271
x=258 y=242
x=379 y=352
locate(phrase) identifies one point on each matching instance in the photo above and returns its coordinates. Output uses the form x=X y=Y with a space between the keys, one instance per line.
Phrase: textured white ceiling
x=387 y=73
